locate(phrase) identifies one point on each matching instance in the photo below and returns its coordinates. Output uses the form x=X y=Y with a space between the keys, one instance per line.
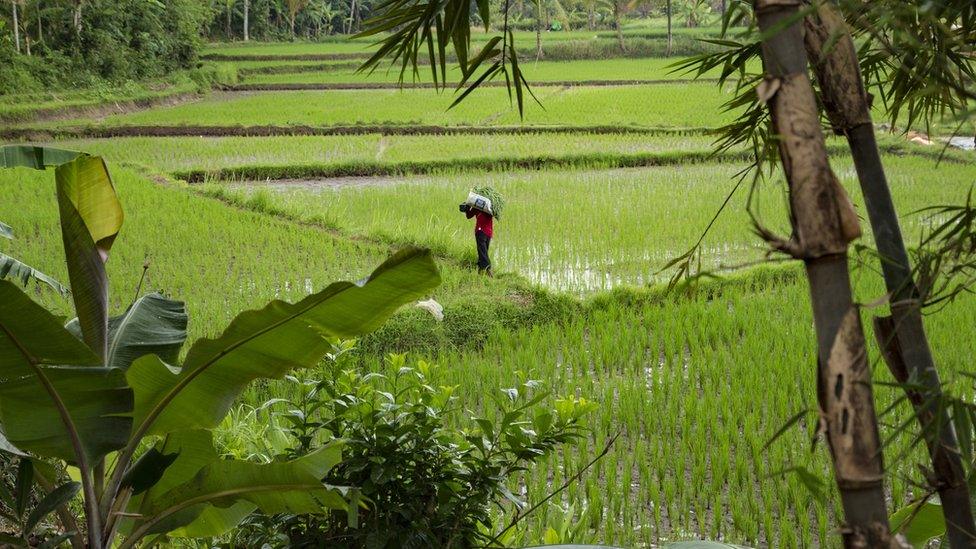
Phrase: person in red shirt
x=483 y=232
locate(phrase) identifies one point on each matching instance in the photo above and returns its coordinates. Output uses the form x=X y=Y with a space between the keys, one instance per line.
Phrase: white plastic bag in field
x=479 y=202
x=433 y=307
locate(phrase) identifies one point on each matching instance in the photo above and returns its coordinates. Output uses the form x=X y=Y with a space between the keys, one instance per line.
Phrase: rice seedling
x=676 y=379
x=582 y=231
x=209 y=154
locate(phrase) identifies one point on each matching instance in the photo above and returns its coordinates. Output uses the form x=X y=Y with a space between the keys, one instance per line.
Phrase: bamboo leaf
x=24 y=485
x=920 y=522
x=786 y=426
x=487 y=74
x=489 y=51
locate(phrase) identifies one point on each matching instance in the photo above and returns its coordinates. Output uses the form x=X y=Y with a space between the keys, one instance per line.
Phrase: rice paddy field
x=689 y=105
x=695 y=381
x=650 y=68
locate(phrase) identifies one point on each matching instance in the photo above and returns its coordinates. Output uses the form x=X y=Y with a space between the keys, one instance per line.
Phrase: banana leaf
x=55 y=385
x=270 y=342
x=198 y=483
x=91 y=217
x=13 y=269
x=153 y=324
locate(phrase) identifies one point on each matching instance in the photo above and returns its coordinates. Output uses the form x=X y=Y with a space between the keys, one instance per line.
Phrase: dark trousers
x=483 y=240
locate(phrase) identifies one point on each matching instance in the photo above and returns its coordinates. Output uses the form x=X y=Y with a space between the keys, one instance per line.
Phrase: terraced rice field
x=676 y=106
x=695 y=382
x=542 y=71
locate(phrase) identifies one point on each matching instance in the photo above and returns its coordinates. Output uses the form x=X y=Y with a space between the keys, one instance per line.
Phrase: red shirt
x=482 y=223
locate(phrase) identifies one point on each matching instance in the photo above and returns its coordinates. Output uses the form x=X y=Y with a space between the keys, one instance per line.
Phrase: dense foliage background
x=77 y=42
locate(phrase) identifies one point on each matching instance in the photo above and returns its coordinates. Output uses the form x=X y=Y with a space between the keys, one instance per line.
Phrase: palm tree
x=295 y=6
x=16 y=22
x=229 y=11
x=247 y=21
x=670 y=38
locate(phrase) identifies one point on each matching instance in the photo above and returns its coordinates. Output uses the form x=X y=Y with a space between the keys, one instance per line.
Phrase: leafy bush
x=208 y=75
x=422 y=482
x=113 y=42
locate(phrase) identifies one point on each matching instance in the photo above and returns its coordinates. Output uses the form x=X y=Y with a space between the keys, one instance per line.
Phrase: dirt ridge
x=285 y=57
x=385 y=169
x=97 y=109
x=306 y=86
x=102 y=132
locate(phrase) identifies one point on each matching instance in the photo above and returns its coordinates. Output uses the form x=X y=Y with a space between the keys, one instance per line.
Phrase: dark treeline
x=71 y=44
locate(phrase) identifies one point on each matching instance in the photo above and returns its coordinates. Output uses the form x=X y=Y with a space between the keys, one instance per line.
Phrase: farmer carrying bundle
x=483 y=204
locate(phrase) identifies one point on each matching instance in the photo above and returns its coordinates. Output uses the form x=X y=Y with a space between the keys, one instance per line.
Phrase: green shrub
x=422 y=482
x=209 y=75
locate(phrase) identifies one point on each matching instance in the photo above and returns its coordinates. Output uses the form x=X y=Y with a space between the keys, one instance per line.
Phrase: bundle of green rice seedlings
x=497 y=202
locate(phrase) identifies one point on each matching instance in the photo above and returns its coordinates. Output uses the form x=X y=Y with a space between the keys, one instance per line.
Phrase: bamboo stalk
x=824 y=223
x=847 y=104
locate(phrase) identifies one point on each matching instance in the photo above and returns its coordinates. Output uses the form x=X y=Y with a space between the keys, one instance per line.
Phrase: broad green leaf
x=7 y=446
x=194 y=450
x=6 y=231
x=153 y=324
x=147 y=470
x=34 y=157
x=41 y=362
x=215 y=521
x=293 y=487
x=58 y=497
x=13 y=269
x=921 y=522
x=269 y=342
x=91 y=217
x=96 y=399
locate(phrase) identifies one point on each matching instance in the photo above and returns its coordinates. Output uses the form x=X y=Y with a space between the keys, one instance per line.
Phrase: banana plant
x=14 y=269
x=107 y=395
